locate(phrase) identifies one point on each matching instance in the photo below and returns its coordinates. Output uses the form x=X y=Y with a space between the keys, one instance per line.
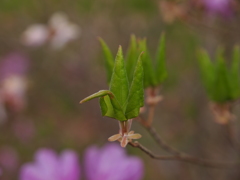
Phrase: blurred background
x=50 y=59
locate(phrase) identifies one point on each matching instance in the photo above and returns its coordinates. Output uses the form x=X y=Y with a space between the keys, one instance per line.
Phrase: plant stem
x=187 y=158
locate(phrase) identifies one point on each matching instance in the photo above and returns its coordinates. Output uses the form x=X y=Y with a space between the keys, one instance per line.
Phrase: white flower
x=62 y=30
x=35 y=35
x=13 y=91
x=58 y=32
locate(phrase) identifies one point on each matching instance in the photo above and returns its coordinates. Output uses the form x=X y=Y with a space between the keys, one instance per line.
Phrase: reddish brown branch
x=186 y=158
x=231 y=135
x=157 y=137
x=177 y=155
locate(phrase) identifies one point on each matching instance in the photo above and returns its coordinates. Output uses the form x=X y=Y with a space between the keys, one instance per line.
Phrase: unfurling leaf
x=97 y=94
x=149 y=74
x=108 y=59
x=132 y=57
x=119 y=81
x=161 y=72
x=111 y=108
x=109 y=104
x=120 y=102
x=136 y=93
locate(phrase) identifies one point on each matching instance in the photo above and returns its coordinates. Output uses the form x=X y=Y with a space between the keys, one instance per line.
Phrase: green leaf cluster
x=222 y=83
x=122 y=101
x=154 y=74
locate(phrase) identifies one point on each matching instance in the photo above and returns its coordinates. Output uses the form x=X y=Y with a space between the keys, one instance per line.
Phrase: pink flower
x=13 y=69
x=111 y=163
x=222 y=7
x=15 y=64
x=49 y=166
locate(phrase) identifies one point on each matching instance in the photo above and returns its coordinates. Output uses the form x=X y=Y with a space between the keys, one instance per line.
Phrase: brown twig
x=152 y=100
x=186 y=158
x=151 y=114
x=157 y=137
x=231 y=135
x=177 y=155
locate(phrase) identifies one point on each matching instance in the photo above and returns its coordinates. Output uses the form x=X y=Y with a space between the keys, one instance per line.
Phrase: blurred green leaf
x=207 y=71
x=132 y=57
x=234 y=78
x=136 y=93
x=161 y=71
x=222 y=83
x=108 y=59
x=222 y=91
x=149 y=74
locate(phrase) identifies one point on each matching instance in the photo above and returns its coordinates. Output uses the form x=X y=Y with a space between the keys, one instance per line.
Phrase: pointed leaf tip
x=119 y=80
x=136 y=92
x=132 y=56
x=161 y=71
x=96 y=95
x=108 y=59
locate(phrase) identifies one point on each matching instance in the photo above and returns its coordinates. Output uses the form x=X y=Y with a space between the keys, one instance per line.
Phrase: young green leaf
x=207 y=71
x=108 y=103
x=106 y=109
x=234 y=78
x=161 y=72
x=108 y=59
x=149 y=74
x=136 y=93
x=111 y=108
x=222 y=91
x=132 y=57
x=97 y=94
x=119 y=81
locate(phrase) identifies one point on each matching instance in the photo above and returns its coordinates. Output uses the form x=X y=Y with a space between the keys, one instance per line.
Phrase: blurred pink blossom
x=49 y=166
x=13 y=70
x=112 y=163
x=222 y=7
x=107 y=163
x=13 y=92
x=13 y=83
x=13 y=63
x=58 y=32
